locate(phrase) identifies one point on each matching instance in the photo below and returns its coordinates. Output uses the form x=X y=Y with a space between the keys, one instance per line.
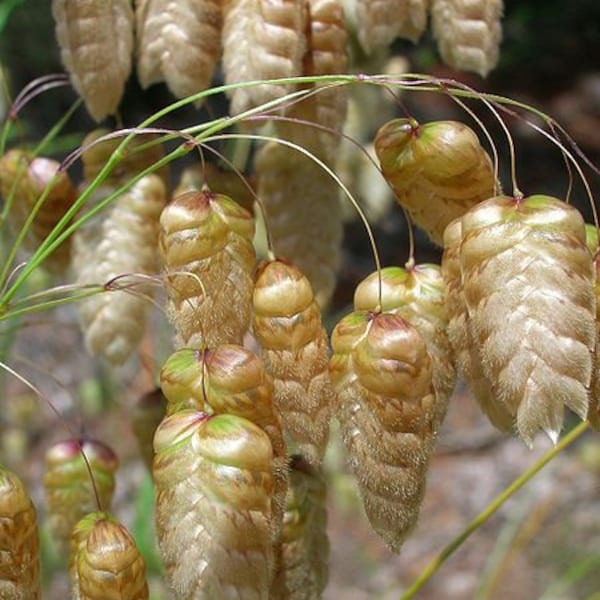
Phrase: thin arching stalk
x=328 y=170
x=491 y=509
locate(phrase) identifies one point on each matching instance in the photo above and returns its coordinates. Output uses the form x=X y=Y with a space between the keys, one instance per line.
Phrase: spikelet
x=302 y=569
x=380 y=22
x=231 y=380
x=382 y=373
x=262 y=39
x=464 y=349
x=23 y=178
x=303 y=215
x=148 y=411
x=178 y=42
x=105 y=562
x=227 y=182
x=206 y=245
x=19 y=541
x=68 y=487
x=96 y=44
x=124 y=244
x=528 y=284
x=468 y=33
x=591 y=235
x=438 y=170
x=417 y=295
x=287 y=325
x=326 y=55
x=213 y=506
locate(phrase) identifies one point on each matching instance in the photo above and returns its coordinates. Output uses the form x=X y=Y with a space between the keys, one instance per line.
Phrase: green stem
x=483 y=516
x=18 y=311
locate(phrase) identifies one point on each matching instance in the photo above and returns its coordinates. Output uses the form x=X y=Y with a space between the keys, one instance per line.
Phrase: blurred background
x=545 y=542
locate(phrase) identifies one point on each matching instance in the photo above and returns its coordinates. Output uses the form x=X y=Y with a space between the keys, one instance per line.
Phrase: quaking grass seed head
x=383 y=377
x=23 y=180
x=105 y=561
x=528 y=284
x=206 y=245
x=214 y=485
x=19 y=541
x=438 y=170
x=74 y=486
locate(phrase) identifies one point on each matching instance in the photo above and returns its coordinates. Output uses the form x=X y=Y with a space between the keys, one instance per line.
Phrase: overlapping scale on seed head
x=465 y=350
x=209 y=259
x=386 y=407
x=591 y=237
x=380 y=22
x=326 y=54
x=262 y=39
x=96 y=46
x=438 y=170
x=178 y=43
x=182 y=380
x=124 y=244
x=416 y=293
x=287 y=324
x=213 y=477
x=468 y=33
x=528 y=284
x=19 y=541
x=105 y=561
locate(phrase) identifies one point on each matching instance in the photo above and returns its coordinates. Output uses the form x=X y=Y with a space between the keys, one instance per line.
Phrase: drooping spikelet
x=464 y=348
x=528 y=283
x=209 y=259
x=382 y=373
x=326 y=54
x=287 y=325
x=23 y=179
x=417 y=295
x=229 y=380
x=213 y=478
x=303 y=215
x=178 y=42
x=105 y=562
x=468 y=33
x=123 y=245
x=148 y=411
x=302 y=554
x=262 y=39
x=96 y=45
x=19 y=541
x=380 y=22
x=438 y=170
x=70 y=494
